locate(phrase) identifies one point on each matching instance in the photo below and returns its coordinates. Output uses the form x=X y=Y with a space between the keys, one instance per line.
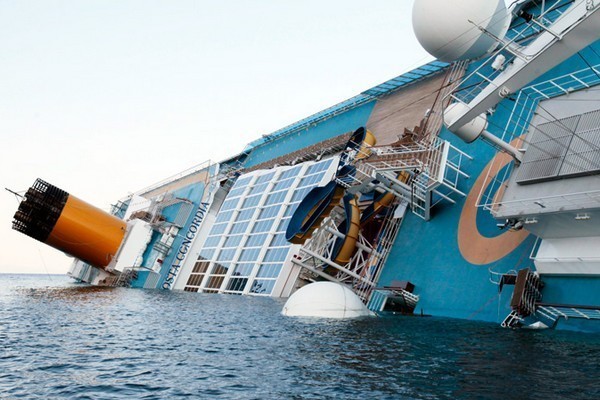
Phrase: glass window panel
x=263 y=226
x=241 y=182
x=269 y=271
x=212 y=241
x=200 y=267
x=243 y=269
x=256 y=240
x=239 y=227
x=220 y=269
x=236 y=192
x=300 y=194
x=269 y=212
x=207 y=253
x=232 y=241
x=214 y=282
x=251 y=201
x=262 y=286
x=218 y=229
x=290 y=173
x=275 y=198
x=283 y=224
x=224 y=216
x=245 y=215
x=291 y=209
x=276 y=254
x=195 y=279
x=259 y=188
x=237 y=284
x=230 y=204
x=249 y=254
x=226 y=255
x=283 y=184
x=265 y=177
x=279 y=240
x=319 y=167
x=310 y=180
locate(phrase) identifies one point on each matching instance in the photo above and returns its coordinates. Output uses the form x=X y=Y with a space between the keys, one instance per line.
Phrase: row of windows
x=285 y=180
x=237 y=283
x=263 y=224
x=254 y=238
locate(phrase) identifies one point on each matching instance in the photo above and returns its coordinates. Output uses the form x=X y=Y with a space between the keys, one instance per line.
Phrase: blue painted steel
x=326 y=129
x=194 y=193
x=365 y=97
x=317 y=199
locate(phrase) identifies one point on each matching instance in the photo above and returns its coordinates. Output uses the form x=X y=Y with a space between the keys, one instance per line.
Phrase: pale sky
x=102 y=98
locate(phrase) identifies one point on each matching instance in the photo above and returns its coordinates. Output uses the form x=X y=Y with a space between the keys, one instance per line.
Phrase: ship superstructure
x=392 y=195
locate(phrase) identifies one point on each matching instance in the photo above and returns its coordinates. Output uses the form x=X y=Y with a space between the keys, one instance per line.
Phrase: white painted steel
x=469 y=131
x=569 y=256
x=325 y=300
x=576 y=29
x=450 y=30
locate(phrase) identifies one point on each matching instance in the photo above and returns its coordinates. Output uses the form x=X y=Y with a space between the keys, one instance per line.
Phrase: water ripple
x=61 y=340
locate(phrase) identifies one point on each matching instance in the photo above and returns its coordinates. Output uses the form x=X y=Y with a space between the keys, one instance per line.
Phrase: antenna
x=18 y=195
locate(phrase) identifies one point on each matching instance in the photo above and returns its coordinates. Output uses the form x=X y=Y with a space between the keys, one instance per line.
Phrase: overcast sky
x=102 y=98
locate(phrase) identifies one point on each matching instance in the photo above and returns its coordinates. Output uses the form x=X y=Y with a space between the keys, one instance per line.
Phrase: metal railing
x=517 y=125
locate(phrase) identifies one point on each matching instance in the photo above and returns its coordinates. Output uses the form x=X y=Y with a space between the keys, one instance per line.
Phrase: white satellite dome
x=443 y=28
x=325 y=300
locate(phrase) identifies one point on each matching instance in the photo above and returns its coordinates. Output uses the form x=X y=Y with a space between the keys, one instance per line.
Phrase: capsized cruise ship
x=468 y=187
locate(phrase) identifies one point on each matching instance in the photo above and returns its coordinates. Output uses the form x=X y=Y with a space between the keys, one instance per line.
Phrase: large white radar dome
x=326 y=300
x=443 y=28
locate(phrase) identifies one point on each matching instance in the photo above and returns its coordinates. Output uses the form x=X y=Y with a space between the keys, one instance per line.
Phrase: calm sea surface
x=63 y=340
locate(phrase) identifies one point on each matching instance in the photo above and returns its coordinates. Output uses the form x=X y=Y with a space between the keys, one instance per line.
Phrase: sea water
x=60 y=339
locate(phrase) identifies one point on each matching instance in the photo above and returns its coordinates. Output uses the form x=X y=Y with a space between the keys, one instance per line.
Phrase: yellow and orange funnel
x=63 y=221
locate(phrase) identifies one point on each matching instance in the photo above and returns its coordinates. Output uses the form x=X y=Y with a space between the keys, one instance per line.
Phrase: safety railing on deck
x=518 y=123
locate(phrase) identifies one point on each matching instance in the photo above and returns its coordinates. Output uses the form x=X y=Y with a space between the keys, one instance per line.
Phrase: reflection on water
x=63 y=340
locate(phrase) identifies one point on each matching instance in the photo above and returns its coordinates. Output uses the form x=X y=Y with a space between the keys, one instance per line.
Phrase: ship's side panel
x=342 y=123
x=449 y=258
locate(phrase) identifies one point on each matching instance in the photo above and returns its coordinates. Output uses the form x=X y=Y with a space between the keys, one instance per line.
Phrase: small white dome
x=326 y=300
x=448 y=29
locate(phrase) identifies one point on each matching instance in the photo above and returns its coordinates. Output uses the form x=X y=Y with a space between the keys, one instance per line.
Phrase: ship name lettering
x=185 y=245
